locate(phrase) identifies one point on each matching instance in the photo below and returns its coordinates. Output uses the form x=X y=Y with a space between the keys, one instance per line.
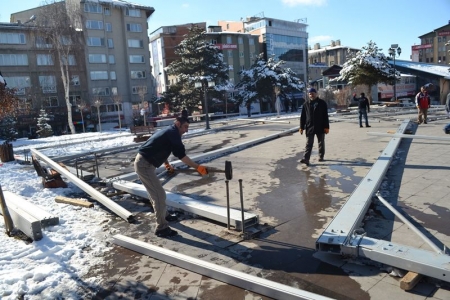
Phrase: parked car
x=447 y=128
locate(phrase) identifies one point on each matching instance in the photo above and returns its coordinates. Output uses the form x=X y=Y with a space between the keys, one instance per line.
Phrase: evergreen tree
x=259 y=82
x=367 y=67
x=200 y=61
x=44 y=129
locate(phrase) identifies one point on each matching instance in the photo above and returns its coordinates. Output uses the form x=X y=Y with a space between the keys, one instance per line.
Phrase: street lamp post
x=392 y=53
x=205 y=84
x=97 y=103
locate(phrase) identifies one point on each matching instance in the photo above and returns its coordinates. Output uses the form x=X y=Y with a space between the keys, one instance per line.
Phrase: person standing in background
x=364 y=108
x=423 y=103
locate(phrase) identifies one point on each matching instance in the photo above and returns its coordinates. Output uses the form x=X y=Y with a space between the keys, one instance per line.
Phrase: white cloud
x=319 y=39
x=304 y=2
x=185 y=5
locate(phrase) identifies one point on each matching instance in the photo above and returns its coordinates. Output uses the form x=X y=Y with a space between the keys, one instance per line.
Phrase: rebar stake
x=242 y=206
x=228 y=204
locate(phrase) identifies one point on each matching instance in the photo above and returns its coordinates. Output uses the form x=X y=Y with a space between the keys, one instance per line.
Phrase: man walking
x=423 y=102
x=314 y=120
x=152 y=154
x=364 y=108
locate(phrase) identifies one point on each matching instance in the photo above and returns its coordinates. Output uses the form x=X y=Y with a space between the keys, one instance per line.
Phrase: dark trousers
x=310 y=144
x=363 y=112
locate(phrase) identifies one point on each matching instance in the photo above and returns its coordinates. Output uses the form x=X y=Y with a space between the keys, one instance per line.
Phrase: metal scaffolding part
x=410 y=136
x=410 y=225
x=209 y=211
x=420 y=261
x=352 y=213
x=114 y=207
x=40 y=214
x=249 y=282
x=26 y=223
x=216 y=153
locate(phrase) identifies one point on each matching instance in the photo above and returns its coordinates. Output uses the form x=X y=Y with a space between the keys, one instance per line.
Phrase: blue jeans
x=363 y=112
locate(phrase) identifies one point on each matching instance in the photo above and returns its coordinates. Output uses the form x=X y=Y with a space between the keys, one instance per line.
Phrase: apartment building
x=117 y=58
x=321 y=58
x=434 y=47
x=284 y=40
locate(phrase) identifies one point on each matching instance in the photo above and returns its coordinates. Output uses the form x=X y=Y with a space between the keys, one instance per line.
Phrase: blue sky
x=354 y=22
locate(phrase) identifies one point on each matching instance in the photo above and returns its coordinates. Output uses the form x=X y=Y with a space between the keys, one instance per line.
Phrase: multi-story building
x=117 y=57
x=321 y=58
x=281 y=39
x=434 y=47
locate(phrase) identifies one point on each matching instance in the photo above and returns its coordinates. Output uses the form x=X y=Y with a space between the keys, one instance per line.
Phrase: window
x=93 y=8
x=94 y=24
x=108 y=27
x=230 y=53
x=229 y=40
x=13 y=60
x=95 y=41
x=137 y=74
x=44 y=60
x=134 y=27
x=251 y=41
x=137 y=59
x=71 y=58
x=240 y=40
x=106 y=11
x=241 y=54
x=133 y=12
x=42 y=42
x=48 y=84
x=97 y=58
x=114 y=91
x=242 y=68
x=50 y=102
x=112 y=59
x=100 y=91
x=213 y=42
x=112 y=75
x=99 y=75
x=75 y=80
x=12 y=38
x=136 y=89
x=20 y=83
x=135 y=43
x=110 y=43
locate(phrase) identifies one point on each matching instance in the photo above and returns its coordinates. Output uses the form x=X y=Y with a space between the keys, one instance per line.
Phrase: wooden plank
x=74 y=201
x=410 y=280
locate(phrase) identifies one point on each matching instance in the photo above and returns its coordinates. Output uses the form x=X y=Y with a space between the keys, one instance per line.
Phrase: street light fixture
x=205 y=84
x=97 y=103
x=392 y=53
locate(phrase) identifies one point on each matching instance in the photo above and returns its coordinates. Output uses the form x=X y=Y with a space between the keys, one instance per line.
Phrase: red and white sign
x=418 y=47
x=445 y=32
x=226 y=46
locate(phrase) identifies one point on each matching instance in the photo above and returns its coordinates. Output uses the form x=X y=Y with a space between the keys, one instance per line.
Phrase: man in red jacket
x=423 y=103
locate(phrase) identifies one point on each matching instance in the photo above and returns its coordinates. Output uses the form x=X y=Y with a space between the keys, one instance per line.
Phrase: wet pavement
x=294 y=204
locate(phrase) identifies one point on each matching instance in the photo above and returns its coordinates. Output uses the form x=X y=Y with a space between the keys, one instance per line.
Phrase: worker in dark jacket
x=364 y=108
x=152 y=154
x=314 y=120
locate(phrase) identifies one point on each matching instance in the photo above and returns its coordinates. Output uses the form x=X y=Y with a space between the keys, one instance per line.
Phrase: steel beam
x=26 y=223
x=435 y=265
x=42 y=215
x=207 y=210
x=249 y=282
x=349 y=218
x=114 y=207
x=410 y=136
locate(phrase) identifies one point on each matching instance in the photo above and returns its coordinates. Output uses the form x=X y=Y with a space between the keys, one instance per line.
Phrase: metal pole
x=228 y=204
x=395 y=79
x=242 y=206
x=206 y=106
x=5 y=212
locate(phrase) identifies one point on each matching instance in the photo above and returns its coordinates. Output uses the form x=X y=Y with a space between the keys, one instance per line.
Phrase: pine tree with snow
x=259 y=82
x=199 y=61
x=44 y=129
x=367 y=67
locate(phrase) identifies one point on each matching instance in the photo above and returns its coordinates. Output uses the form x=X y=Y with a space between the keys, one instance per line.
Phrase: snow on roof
x=327 y=48
x=434 y=69
x=120 y=3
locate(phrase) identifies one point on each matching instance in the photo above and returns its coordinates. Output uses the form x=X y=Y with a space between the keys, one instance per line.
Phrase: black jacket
x=158 y=147
x=363 y=103
x=314 y=117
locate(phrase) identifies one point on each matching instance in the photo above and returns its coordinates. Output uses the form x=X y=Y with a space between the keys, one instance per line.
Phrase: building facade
x=116 y=58
x=434 y=47
x=281 y=39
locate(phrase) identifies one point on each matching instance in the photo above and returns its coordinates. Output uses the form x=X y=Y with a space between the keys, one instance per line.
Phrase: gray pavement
x=295 y=203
